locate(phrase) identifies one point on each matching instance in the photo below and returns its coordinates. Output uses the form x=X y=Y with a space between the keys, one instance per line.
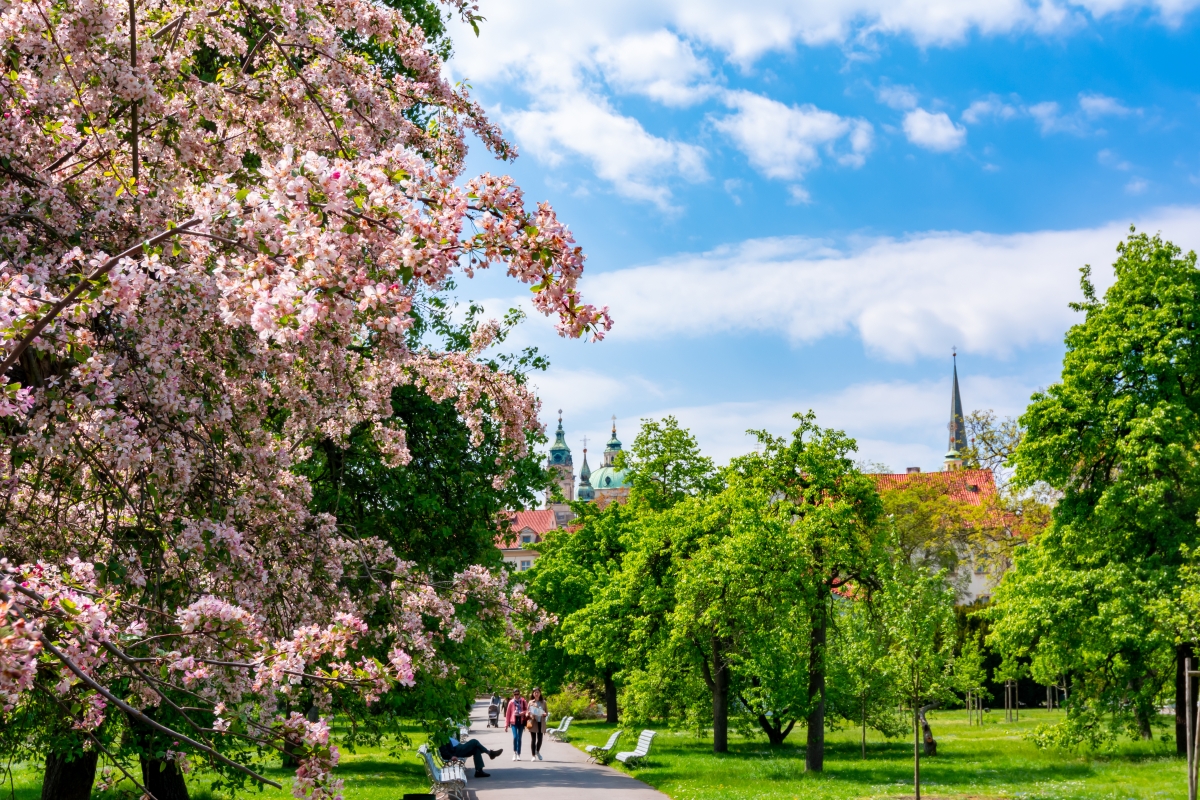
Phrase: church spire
x=586 y=492
x=957 y=426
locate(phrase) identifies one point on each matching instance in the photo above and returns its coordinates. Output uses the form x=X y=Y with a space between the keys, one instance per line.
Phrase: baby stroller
x=494 y=715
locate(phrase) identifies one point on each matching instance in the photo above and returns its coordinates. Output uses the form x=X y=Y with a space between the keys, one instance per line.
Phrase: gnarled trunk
x=926 y=731
x=69 y=776
x=774 y=728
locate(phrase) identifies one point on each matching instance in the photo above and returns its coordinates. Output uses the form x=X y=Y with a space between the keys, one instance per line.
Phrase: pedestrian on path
x=537 y=723
x=515 y=718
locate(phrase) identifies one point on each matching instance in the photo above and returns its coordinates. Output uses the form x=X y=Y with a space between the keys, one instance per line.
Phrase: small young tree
x=970 y=676
x=861 y=674
x=919 y=613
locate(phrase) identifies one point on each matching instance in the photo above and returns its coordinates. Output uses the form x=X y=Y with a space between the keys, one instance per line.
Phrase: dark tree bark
x=775 y=729
x=814 y=752
x=162 y=779
x=716 y=676
x=69 y=776
x=1182 y=651
x=610 y=697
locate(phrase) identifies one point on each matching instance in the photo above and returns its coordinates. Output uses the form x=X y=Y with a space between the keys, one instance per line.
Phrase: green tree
x=834 y=508
x=970 y=674
x=570 y=573
x=1119 y=437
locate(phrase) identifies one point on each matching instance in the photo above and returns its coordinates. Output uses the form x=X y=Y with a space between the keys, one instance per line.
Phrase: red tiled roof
x=965 y=485
x=540 y=522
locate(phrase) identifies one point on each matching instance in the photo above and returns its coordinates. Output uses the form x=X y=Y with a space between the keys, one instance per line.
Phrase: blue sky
x=798 y=204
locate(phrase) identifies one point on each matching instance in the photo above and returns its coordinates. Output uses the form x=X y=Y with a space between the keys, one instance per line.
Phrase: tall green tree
x=834 y=508
x=1119 y=437
x=570 y=573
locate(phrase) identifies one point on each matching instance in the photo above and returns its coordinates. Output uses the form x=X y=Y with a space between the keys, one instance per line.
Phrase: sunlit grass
x=992 y=761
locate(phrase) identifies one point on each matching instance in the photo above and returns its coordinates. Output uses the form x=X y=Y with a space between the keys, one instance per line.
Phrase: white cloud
x=1098 y=105
x=658 y=65
x=618 y=148
x=784 y=142
x=905 y=297
x=990 y=107
x=933 y=131
x=1092 y=107
x=901 y=98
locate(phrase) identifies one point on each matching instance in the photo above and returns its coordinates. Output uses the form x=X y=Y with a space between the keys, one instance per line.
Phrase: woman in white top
x=537 y=722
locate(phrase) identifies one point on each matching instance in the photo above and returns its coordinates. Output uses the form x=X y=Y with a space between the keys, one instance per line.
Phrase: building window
x=527 y=538
x=526 y=564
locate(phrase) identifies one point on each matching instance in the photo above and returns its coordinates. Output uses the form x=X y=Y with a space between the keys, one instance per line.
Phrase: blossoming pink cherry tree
x=218 y=219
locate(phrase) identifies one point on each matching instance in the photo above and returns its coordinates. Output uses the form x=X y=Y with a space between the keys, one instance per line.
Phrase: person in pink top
x=514 y=719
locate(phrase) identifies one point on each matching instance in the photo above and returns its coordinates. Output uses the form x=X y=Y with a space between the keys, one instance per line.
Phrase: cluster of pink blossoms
x=213 y=238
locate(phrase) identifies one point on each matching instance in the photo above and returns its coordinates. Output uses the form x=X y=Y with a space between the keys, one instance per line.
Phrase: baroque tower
x=560 y=463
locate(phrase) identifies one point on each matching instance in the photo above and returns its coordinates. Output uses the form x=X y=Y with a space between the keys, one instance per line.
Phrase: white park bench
x=595 y=750
x=449 y=780
x=558 y=734
x=632 y=757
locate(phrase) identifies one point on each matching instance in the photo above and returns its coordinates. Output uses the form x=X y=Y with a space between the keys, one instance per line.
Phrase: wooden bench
x=595 y=750
x=559 y=734
x=446 y=781
x=632 y=757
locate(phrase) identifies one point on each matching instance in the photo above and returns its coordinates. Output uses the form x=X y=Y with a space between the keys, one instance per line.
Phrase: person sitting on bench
x=473 y=748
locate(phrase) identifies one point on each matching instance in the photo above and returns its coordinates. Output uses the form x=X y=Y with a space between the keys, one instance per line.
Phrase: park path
x=564 y=772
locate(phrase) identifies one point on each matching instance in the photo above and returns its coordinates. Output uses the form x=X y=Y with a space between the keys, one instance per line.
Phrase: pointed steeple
x=957 y=426
x=586 y=492
x=613 y=447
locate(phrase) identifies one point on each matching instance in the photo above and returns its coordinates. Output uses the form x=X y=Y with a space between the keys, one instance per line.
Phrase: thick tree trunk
x=163 y=780
x=610 y=697
x=814 y=752
x=1182 y=651
x=720 y=693
x=69 y=776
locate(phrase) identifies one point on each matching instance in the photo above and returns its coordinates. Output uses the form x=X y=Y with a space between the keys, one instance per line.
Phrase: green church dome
x=608 y=478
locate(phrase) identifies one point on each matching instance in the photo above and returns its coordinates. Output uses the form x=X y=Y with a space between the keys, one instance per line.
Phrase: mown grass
x=976 y=762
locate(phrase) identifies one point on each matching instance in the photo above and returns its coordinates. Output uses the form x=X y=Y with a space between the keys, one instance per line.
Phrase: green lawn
x=973 y=762
x=369 y=774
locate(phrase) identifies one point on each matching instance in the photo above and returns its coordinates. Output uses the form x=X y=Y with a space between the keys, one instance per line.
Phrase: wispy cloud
x=904 y=297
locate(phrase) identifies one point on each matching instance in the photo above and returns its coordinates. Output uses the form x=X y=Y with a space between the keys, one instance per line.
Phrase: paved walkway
x=564 y=772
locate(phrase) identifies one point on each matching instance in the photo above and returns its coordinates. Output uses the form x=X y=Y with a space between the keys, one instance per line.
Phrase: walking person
x=537 y=723
x=515 y=717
